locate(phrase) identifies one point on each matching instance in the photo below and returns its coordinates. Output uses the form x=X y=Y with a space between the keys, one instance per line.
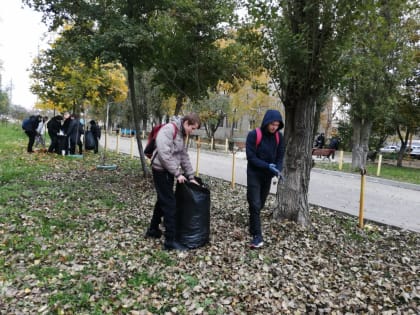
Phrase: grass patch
x=402 y=174
x=144 y=279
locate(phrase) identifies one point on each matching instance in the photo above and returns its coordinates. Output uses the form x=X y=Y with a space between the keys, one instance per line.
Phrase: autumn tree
x=212 y=111
x=65 y=83
x=376 y=65
x=136 y=34
x=303 y=41
x=114 y=31
x=253 y=98
x=191 y=54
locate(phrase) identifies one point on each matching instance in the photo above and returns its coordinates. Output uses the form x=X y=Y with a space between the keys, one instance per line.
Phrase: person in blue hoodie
x=264 y=152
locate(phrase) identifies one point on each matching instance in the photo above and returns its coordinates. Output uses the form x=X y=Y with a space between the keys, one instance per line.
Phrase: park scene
x=338 y=224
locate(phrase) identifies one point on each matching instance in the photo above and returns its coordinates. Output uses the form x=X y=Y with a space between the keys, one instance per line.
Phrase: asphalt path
x=387 y=202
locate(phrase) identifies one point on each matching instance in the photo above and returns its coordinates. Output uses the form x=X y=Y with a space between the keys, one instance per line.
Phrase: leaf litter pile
x=72 y=242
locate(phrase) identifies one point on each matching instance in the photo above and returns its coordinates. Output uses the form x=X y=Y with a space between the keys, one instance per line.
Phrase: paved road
x=386 y=201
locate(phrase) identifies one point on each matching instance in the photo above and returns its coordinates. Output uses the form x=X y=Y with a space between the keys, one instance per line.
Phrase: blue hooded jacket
x=268 y=151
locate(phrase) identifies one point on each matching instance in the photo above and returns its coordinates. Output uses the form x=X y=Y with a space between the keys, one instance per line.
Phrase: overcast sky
x=21 y=35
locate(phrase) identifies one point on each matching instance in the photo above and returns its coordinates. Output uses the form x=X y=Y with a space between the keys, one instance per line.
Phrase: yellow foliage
x=169 y=105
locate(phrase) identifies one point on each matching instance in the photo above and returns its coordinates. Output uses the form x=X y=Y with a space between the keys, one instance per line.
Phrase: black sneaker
x=153 y=233
x=174 y=245
x=257 y=242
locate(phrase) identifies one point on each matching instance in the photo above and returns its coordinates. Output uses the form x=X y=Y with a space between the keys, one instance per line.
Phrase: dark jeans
x=95 y=150
x=258 y=188
x=72 y=146
x=166 y=203
x=80 y=145
x=31 y=135
x=54 y=143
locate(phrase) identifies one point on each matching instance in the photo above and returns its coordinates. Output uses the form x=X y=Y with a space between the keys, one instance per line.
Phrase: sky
x=21 y=35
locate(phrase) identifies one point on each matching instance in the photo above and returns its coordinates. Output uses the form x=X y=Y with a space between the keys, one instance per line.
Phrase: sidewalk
x=388 y=202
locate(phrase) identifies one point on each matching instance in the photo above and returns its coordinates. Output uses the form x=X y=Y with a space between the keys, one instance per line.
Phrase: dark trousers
x=95 y=150
x=54 y=143
x=72 y=146
x=166 y=203
x=80 y=145
x=62 y=144
x=258 y=188
x=31 y=135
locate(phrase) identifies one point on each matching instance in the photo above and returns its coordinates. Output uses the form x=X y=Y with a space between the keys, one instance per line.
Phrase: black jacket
x=268 y=151
x=54 y=125
x=96 y=130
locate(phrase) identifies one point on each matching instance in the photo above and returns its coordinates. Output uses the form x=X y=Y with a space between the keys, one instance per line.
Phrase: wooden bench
x=324 y=153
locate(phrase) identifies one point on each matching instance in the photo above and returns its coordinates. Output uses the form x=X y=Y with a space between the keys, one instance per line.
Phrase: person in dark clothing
x=265 y=160
x=320 y=141
x=54 y=127
x=72 y=129
x=81 y=131
x=66 y=129
x=30 y=130
x=334 y=143
x=96 y=132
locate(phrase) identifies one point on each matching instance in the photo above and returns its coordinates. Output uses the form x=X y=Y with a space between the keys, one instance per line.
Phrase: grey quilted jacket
x=171 y=153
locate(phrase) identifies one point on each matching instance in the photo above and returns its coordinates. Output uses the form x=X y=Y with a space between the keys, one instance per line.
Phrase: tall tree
x=191 y=54
x=303 y=41
x=375 y=68
x=114 y=30
x=64 y=83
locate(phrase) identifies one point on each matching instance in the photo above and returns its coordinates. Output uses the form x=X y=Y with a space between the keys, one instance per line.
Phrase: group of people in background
x=333 y=143
x=65 y=132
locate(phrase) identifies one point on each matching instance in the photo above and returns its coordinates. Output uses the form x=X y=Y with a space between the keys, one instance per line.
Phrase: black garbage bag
x=192 y=214
x=89 y=140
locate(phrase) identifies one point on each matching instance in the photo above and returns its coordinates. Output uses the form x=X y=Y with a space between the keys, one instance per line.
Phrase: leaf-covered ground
x=72 y=242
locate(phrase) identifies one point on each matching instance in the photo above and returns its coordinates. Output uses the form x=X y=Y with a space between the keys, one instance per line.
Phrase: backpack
x=259 y=137
x=27 y=124
x=151 y=139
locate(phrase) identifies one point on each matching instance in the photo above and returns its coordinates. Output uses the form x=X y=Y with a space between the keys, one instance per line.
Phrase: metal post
x=233 y=169
x=340 y=162
x=198 y=156
x=362 y=197
x=117 y=146
x=226 y=144
x=378 y=172
x=106 y=127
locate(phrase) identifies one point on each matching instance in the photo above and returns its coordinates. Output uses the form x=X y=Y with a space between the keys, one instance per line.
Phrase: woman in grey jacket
x=170 y=160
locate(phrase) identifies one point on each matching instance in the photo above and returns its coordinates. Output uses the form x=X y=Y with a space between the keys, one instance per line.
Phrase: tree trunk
x=404 y=143
x=143 y=101
x=292 y=196
x=136 y=117
x=360 y=139
x=178 y=105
